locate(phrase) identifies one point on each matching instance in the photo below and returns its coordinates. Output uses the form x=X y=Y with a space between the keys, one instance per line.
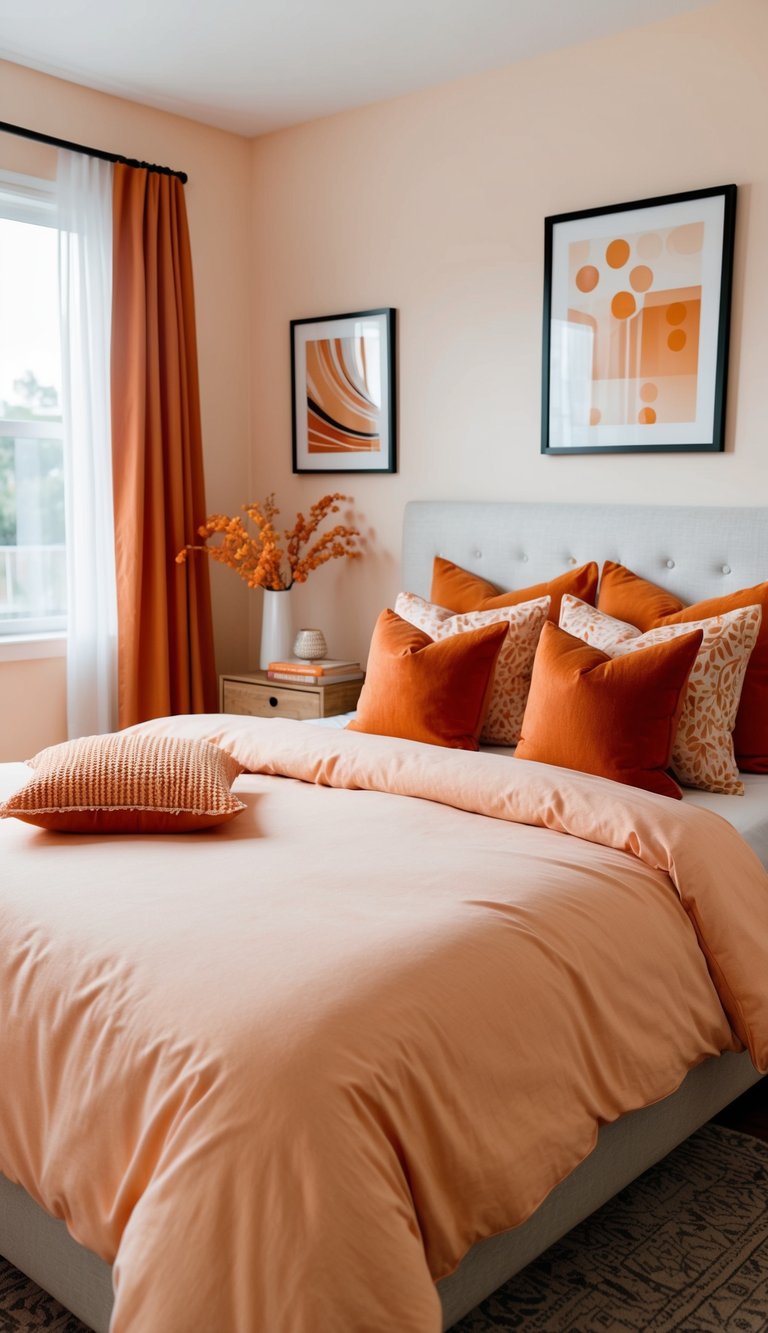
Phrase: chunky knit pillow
x=127 y=783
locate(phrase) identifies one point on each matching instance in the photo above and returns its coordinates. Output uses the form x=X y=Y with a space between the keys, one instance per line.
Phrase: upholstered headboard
x=695 y=552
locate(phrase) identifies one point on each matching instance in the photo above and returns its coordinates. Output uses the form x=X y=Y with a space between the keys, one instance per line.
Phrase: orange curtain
x=165 y=637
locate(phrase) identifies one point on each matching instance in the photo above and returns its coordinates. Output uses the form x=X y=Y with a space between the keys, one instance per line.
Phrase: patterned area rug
x=684 y=1248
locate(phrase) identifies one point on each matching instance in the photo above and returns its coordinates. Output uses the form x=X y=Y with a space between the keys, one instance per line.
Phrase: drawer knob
x=273 y=702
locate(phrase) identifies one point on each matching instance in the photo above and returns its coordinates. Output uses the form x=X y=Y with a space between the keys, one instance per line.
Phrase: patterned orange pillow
x=702 y=753
x=128 y=783
x=512 y=679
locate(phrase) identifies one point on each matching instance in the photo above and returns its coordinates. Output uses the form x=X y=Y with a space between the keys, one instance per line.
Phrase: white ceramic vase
x=276 y=627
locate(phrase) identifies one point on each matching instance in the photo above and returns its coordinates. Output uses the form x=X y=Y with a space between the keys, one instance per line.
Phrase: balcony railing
x=33 y=588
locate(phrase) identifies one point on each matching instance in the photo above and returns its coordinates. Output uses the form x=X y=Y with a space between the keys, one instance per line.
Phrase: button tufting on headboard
x=527 y=543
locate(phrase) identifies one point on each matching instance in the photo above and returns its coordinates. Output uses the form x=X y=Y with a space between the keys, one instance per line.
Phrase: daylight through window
x=32 y=533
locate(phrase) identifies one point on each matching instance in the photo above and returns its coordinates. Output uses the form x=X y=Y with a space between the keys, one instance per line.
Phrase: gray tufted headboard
x=695 y=552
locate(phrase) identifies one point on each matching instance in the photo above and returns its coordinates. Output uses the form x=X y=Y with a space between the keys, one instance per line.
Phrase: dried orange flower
x=261 y=559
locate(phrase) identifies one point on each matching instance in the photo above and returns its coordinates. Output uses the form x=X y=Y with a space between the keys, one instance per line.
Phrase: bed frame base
x=624 y=1150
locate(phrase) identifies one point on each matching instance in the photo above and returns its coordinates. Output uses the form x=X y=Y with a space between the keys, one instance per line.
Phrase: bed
x=697 y=552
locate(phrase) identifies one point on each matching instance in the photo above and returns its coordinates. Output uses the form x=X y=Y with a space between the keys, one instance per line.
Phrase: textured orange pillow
x=616 y=717
x=426 y=691
x=628 y=597
x=458 y=590
x=127 y=783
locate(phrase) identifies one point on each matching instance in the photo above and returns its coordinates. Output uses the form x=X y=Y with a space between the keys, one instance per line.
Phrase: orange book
x=318 y=669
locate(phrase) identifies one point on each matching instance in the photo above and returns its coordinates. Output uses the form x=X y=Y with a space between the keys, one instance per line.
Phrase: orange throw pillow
x=512 y=677
x=458 y=590
x=616 y=717
x=628 y=597
x=425 y=691
x=128 y=783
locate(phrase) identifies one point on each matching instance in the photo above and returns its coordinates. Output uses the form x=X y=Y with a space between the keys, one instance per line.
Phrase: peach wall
x=434 y=203
x=33 y=706
x=218 y=201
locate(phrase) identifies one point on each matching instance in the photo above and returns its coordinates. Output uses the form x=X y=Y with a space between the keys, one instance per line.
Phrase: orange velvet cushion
x=512 y=677
x=628 y=597
x=616 y=717
x=127 y=783
x=458 y=590
x=426 y=691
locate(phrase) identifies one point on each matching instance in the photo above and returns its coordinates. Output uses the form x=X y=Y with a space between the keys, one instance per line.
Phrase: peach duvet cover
x=284 y=1074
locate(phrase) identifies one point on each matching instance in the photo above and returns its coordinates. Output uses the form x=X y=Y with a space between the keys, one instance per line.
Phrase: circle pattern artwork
x=617 y=253
x=643 y=310
x=587 y=278
x=676 y=312
x=641 y=277
x=623 y=305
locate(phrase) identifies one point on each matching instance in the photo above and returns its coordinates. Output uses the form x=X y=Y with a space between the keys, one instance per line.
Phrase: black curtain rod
x=90 y=152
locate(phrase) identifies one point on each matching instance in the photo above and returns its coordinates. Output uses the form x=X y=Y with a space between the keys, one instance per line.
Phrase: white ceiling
x=257 y=65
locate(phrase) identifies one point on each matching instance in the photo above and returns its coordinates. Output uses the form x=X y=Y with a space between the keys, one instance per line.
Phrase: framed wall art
x=637 y=302
x=343 y=390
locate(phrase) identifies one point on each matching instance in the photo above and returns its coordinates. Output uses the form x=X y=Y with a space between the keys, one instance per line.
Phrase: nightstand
x=260 y=697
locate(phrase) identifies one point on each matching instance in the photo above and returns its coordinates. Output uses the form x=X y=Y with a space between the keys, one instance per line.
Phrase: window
x=32 y=533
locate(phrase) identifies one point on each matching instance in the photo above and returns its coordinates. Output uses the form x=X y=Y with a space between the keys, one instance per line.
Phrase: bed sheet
x=748 y=813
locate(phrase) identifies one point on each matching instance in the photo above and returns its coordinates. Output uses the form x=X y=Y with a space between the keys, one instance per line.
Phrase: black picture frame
x=604 y=366
x=343 y=392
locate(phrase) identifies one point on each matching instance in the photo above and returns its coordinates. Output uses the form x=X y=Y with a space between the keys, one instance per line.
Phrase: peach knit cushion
x=615 y=717
x=627 y=596
x=458 y=590
x=425 y=691
x=125 y=783
x=702 y=755
x=512 y=678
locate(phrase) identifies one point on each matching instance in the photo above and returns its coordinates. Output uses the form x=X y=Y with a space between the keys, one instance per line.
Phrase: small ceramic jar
x=310 y=644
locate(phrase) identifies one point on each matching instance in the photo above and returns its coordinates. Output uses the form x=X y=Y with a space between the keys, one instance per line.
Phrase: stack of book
x=325 y=671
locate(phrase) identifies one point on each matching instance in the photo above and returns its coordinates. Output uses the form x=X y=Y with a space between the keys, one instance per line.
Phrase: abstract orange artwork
x=343 y=393
x=636 y=339
x=343 y=413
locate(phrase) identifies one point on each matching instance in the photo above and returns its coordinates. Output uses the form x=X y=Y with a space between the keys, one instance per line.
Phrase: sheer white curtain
x=84 y=188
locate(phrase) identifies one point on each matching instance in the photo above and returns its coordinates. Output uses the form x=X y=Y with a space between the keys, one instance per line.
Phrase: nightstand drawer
x=270 y=700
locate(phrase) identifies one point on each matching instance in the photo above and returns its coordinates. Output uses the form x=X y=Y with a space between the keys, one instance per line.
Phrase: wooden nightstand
x=260 y=697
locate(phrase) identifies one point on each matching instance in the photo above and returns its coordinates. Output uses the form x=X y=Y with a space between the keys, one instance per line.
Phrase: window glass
x=32 y=529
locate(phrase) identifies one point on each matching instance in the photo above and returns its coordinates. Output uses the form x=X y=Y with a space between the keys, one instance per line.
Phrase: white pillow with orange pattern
x=702 y=754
